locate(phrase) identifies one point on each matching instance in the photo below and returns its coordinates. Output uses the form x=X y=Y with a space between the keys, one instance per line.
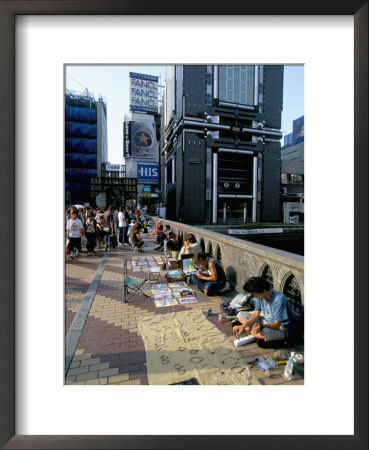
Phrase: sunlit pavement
x=103 y=344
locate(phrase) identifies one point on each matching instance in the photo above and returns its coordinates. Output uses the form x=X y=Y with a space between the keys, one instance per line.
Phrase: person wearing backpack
x=90 y=233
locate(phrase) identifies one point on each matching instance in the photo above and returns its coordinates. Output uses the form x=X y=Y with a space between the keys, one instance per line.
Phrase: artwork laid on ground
x=185 y=345
x=172 y=294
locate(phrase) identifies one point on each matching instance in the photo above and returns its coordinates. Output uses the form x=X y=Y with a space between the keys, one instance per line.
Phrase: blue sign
x=147 y=172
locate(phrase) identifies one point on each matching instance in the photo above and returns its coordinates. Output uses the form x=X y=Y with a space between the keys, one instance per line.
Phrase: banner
x=143 y=91
x=142 y=140
x=147 y=172
x=127 y=139
x=256 y=231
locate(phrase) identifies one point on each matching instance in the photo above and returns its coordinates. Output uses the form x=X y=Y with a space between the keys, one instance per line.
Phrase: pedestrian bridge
x=242 y=259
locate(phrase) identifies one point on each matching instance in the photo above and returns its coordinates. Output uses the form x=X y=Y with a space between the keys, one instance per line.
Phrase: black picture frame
x=8 y=12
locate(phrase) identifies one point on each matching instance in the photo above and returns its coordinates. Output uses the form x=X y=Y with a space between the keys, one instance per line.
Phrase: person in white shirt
x=190 y=246
x=122 y=227
x=75 y=231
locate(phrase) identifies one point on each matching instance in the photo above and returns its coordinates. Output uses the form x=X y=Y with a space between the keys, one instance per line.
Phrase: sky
x=111 y=82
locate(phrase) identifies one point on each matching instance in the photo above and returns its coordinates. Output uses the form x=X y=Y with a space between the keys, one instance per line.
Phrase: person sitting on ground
x=160 y=240
x=172 y=243
x=167 y=231
x=136 y=238
x=211 y=277
x=157 y=228
x=272 y=319
x=145 y=228
x=190 y=246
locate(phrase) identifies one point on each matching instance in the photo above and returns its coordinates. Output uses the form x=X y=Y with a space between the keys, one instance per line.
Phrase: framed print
x=43 y=383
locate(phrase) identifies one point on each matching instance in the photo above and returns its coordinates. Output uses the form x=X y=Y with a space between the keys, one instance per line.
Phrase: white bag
x=240 y=300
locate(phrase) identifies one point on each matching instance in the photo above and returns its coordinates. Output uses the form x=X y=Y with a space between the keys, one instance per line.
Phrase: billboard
x=139 y=140
x=147 y=172
x=143 y=93
x=298 y=130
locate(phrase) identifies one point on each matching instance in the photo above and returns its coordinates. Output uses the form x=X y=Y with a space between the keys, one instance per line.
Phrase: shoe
x=71 y=255
x=226 y=287
x=77 y=253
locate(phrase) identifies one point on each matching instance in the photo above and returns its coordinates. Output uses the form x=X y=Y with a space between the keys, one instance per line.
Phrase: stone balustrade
x=242 y=259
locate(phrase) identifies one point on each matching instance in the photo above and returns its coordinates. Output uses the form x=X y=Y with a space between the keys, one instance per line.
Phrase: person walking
x=75 y=231
x=90 y=233
x=108 y=226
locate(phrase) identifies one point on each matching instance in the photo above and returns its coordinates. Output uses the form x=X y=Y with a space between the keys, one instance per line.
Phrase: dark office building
x=85 y=144
x=221 y=145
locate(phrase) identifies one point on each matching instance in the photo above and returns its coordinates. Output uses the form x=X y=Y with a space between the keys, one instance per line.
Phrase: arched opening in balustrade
x=218 y=254
x=210 y=250
x=266 y=273
x=292 y=291
x=202 y=243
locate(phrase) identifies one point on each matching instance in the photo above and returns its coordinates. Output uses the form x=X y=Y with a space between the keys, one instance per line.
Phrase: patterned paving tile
x=110 y=350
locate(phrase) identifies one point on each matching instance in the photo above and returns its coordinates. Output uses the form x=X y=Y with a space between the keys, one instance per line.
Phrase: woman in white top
x=190 y=246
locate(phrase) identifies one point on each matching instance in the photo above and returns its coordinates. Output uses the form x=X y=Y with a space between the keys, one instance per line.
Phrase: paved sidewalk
x=103 y=344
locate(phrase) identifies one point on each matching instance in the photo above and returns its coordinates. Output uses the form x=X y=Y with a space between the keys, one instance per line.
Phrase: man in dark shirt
x=108 y=226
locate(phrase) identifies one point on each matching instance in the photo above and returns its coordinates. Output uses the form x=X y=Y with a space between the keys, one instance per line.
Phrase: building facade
x=220 y=149
x=292 y=174
x=85 y=144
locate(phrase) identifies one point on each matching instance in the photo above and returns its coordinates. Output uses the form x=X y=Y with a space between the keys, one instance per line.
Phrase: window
x=236 y=84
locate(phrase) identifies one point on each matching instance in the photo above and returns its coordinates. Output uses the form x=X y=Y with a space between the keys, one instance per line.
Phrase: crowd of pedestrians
x=101 y=227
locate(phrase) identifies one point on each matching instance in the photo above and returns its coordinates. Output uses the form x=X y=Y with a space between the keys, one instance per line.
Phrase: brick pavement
x=110 y=349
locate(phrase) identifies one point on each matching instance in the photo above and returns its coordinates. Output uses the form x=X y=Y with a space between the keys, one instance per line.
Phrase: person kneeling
x=272 y=319
x=211 y=278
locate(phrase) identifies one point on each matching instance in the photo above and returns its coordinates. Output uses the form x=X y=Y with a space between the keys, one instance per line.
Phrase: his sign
x=147 y=172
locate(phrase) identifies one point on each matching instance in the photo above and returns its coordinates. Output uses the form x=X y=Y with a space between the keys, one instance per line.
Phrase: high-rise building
x=292 y=174
x=85 y=144
x=220 y=152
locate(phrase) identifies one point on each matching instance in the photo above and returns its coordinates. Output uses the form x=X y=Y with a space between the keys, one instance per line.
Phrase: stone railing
x=241 y=260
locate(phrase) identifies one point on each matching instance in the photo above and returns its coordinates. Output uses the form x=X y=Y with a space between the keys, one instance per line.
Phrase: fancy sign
x=143 y=91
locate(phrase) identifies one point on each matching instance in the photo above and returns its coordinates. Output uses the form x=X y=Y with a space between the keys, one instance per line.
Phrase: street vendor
x=272 y=318
x=211 y=278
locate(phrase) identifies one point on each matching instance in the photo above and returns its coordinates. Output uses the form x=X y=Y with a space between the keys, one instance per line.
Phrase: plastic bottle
x=288 y=371
x=293 y=361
